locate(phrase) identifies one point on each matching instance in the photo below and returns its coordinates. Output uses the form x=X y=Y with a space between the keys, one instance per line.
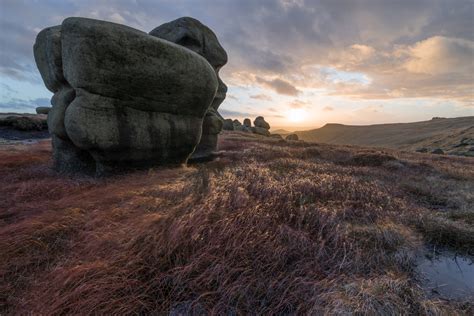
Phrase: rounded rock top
x=260 y=122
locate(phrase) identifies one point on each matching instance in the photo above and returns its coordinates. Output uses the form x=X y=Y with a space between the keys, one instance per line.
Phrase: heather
x=268 y=227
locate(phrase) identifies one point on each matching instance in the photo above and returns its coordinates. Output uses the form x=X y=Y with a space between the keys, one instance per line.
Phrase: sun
x=296 y=115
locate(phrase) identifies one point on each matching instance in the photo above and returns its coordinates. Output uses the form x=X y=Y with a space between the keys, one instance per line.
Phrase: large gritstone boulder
x=122 y=98
x=194 y=35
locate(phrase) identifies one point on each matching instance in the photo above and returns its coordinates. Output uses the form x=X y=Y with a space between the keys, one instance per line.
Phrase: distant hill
x=452 y=135
x=281 y=131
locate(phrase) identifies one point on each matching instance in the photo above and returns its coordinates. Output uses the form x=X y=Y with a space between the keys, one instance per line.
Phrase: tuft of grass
x=34 y=245
x=466 y=216
x=386 y=295
x=443 y=231
x=370 y=159
x=428 y=194
x=386 y=245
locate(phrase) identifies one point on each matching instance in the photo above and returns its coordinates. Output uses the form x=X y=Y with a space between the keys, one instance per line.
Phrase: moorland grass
x=270 y=227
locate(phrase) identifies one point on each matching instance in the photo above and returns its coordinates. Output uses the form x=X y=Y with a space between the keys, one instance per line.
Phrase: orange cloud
x=440 y=55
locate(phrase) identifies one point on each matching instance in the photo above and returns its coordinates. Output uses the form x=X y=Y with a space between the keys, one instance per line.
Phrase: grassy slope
x=270 y=227
x=437 y=133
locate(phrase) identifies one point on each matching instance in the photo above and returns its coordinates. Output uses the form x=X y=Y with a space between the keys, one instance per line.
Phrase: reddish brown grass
x=270 y=227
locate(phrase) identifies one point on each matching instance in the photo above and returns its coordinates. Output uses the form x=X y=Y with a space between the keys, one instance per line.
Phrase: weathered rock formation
x=260 y=122
x=228 y=125
x=43 y=110
x=292 y=137
x=122 y=98
x=247 y=123
x=241 y=128
x=194 y=35
x=236 y=123
x=261 y=126
x=260 y=131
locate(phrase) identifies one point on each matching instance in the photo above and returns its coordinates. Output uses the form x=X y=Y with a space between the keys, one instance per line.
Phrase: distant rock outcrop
x=260 y=122
x=123 y=98
x=247 y=123
x=260 y=131
x=237 y=126
x=43 y=110
x=228 y=125
x=292 y=137
x=261 y=126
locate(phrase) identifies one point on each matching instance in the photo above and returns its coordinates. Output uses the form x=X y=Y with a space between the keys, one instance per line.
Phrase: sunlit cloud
x=278 y=85
x=262 y=97
x=440 y=55
x=298 y=104
x=236 y=114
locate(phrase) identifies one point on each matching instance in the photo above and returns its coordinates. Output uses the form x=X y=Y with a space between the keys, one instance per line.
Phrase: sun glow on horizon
x=297 y=115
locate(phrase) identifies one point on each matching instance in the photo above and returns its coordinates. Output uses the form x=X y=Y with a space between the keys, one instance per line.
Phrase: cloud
x=356 y=55
x=277 y=116
x=328 y=109
x=362 y=52
x=278 y=85
x=117 y=18
x=23 y=105
x=7 y=90
x=298 y=104
x=231 y=114
x=262 y=97
x=370 y=109
x=440 y=55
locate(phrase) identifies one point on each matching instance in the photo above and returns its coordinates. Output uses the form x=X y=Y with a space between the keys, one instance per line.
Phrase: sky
x=300 y=64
